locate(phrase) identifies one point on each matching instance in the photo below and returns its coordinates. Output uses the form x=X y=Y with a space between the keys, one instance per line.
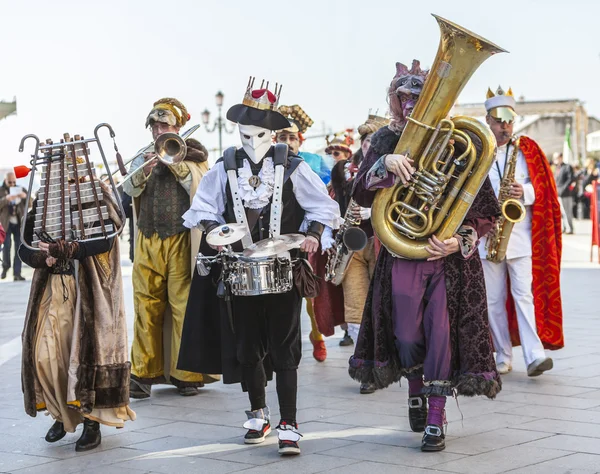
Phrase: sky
x=74 y=64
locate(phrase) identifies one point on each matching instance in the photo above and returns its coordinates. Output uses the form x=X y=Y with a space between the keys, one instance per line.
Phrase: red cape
x=329 y=304
x=546 y=237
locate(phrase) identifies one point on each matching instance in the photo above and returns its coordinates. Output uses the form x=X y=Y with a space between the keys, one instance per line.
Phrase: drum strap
x=279 y=160
x=238 y=207
x=282 y=174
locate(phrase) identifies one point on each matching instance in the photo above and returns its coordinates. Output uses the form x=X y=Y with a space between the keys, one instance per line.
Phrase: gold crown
x=499 y=91
x=261 y=98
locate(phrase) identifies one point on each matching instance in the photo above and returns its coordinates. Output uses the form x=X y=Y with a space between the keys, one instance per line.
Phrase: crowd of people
x=435 y=315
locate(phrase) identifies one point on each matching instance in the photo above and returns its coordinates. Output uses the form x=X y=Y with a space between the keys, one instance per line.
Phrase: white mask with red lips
x=256 y=141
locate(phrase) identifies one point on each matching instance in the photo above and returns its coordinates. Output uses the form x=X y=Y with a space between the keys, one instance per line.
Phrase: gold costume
x=161 y=282
x=164 y=255
x=356 y=282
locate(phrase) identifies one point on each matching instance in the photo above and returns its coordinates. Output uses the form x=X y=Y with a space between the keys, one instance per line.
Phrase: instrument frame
x=37 y=160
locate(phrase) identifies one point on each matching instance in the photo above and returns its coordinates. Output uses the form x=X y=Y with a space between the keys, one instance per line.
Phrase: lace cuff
x=193 y=218
x=378 y=176
x=467 y=240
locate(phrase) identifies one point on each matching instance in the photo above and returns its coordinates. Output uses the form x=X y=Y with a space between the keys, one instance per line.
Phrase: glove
x=327 y=240
x=365 y=213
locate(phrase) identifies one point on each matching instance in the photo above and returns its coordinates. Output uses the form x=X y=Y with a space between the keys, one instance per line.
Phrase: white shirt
x=310 y=192
x=519 y=244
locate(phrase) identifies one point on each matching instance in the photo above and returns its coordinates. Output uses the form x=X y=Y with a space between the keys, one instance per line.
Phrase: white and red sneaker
x=258 y=426
x=288 y=438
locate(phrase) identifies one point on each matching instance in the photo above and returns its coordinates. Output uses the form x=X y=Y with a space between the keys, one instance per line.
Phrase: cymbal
x=226 y=234
x=274 y=246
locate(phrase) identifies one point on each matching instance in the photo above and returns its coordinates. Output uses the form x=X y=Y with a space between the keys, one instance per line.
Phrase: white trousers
x=521 y=278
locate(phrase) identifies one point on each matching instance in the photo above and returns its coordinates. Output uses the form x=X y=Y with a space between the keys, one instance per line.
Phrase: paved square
x=549 y=424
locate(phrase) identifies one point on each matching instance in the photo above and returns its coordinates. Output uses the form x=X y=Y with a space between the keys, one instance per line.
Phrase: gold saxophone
x=513 y=211
x=349 y=239
x=444 y=186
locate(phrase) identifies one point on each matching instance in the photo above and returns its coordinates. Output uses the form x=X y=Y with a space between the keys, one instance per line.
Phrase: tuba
x=513 y=211
x=444 y=186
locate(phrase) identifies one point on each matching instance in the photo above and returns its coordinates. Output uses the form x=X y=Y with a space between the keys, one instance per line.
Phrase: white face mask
x=256 y=141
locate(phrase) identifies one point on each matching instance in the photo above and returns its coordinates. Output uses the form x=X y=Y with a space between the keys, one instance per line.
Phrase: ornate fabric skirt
x=53 y=355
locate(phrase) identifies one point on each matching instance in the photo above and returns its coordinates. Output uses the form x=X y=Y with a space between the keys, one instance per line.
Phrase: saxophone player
x=526 y=259
x=359 y=272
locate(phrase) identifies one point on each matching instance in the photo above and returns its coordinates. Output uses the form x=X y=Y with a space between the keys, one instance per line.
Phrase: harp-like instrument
x=71 y=201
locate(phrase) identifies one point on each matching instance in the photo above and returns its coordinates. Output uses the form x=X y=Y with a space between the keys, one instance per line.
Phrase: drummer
x=269 y=191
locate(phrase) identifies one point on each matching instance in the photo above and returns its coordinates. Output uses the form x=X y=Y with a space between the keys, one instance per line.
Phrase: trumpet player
x=424 y=319
x=525 y=259
x=163 y=252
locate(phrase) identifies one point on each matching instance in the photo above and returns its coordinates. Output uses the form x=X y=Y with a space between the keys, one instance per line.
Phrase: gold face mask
x=503 y=114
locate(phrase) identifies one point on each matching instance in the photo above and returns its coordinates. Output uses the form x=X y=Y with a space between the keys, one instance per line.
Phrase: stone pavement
x=549 y=424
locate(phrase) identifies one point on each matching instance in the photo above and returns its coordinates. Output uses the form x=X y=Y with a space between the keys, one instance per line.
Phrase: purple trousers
x=420 y=312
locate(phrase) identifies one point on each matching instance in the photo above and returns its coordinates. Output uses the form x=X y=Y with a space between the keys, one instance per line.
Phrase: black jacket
x=564 y=178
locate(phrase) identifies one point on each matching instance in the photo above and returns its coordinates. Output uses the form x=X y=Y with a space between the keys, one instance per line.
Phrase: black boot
x=346 y=340
x=417 y=413
x=433 y=439
x=90 y=438
x=367 y=388
x=56 y=432
x=139 y=390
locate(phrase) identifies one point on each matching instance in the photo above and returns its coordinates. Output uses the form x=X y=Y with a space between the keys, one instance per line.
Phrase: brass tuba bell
x=442 y=189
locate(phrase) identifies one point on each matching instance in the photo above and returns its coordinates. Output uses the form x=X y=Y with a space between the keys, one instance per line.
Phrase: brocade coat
x=375 y=357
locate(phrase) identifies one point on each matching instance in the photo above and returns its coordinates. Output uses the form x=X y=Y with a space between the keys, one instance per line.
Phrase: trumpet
x=170 y=148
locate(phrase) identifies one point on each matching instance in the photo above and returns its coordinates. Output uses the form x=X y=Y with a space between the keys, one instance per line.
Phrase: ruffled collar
x=261 y=196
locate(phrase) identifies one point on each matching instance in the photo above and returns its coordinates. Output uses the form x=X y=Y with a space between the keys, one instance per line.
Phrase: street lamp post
x=220 y=124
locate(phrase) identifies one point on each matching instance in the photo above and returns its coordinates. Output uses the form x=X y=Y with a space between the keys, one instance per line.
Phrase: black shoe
x=258 y=436
x=19 y=278
x=258 y=426
x=3 y=276
x=90 y=438
x=366 y=388
x=288 y=438
x=56 y=432
x=139 y=390
x=346 y=340
x=433 y=439
x=417 y=413
x=188 y=391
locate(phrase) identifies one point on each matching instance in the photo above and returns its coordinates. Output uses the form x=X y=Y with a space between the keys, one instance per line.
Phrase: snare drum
x=260 y=276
